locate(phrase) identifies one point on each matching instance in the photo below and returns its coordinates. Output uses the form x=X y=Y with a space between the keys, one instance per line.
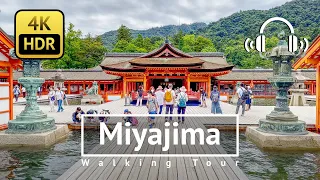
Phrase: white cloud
x=99 y=16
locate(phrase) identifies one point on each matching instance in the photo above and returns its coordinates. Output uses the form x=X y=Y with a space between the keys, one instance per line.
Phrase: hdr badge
x=39 y=34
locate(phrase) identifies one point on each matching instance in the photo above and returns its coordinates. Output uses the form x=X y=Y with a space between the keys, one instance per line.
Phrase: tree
x=79 y=52
x=202 y=43
x=120 y=46
x=123 y=33
x=138 y=41
x=147 y=44
x=271 y=42
x=177 y=39
x=189 y=43
x=92 y=52
x=72 y=47
x=209 y=49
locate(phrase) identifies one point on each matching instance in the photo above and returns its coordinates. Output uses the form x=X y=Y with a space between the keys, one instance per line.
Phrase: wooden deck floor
x=182 y=168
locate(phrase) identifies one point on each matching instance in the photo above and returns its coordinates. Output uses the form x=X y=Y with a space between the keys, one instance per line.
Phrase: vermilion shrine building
x=123 y=72
x=169 y=65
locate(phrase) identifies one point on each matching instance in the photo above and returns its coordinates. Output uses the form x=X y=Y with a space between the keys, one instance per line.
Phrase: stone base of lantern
x=308 y=141
x=298 y=98
x=92 y=99
x=44 y=139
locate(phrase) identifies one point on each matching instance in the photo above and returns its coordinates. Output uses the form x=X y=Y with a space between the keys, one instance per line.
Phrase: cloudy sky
x=99 y=16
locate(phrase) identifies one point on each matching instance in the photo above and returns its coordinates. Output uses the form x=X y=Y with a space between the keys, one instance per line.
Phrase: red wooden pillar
x=69 y=87
x=10 y=70
x=312 y=88
x=318 y=98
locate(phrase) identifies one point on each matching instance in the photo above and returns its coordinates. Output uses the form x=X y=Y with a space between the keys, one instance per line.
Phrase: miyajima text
x=155 y=138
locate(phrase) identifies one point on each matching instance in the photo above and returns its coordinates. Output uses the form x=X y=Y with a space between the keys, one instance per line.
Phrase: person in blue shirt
x=76 y=116
x=215 y=99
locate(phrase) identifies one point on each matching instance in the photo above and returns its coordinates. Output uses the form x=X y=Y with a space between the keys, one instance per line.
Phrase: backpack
x=182 y=101
x=134 y=121
x=168 y=96
x=151 y=103
x=245 y=94
x=215 y=96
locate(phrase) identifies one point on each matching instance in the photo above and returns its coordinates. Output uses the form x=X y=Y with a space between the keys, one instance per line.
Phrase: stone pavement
x=305 y=113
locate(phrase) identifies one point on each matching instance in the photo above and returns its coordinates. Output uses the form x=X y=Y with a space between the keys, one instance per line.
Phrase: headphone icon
x=260 y=41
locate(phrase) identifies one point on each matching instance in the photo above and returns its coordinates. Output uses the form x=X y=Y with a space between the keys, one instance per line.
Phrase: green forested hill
x=109 y=38
x=304 y=15
x=228 y=34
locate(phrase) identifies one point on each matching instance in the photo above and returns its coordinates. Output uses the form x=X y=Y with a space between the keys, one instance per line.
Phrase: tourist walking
x=23 y=89
x=16 y=92
x=169 y=97
x=215 y=99
x=127 y=99
x=203 y=97
x=243 y=95
x=160 y=97
x=139 y=96
x=182 y=103
x=60 y=96
x=152 y=106
x=65 y=99
x=249 y=101
x=52 y=99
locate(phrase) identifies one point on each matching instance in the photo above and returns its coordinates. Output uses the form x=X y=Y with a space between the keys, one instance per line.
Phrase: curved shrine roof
x=165 y=56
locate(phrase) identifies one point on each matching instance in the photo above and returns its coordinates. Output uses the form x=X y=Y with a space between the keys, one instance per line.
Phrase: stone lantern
x=298 y=90
x=32 y=127
x=281 y=129
x=281 y=120
x=58 y=80
x=31 y=119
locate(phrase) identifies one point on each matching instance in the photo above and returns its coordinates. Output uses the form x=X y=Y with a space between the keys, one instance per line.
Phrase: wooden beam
x=3 y=74
x=309 y=66
x=6 y=111
x=312 y=61
x=6 y=41
x=312 y=49
x=5 y=64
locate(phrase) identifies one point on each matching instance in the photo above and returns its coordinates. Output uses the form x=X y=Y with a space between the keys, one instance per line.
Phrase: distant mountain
x=109 y=38
x=304 y=15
